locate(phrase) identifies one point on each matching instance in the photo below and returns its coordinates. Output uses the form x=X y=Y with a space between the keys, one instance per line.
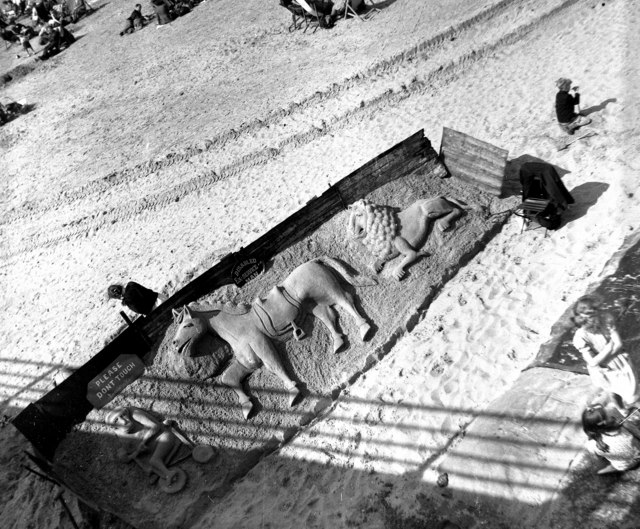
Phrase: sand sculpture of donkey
x=249 y=329
x=388 y=233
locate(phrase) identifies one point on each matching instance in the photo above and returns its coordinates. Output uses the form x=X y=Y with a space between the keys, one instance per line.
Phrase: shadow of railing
x=339 y=450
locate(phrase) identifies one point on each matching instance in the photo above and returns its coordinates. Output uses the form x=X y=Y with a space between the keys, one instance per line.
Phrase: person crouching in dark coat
x=135 y=297
x=566 y=102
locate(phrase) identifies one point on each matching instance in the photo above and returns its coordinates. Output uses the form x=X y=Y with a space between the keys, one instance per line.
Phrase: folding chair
x=308 y=12
x=544 y=196
x=371 y=10
x=532 y=209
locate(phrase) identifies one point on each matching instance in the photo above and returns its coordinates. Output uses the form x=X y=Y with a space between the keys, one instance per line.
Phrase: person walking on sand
x=568 y=120
x=611 y=436
x=135 y=297
x=597 y=339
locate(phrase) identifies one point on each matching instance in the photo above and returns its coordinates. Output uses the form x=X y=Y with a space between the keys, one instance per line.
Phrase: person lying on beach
x=568 y=120
x=135 y=21
x=612 y=436
x=135 y=297
x=597 y=339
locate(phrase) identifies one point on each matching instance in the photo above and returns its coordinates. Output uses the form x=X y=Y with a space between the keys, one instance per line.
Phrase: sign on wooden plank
x=474 y=161
x=122 y=372
x=246 y=270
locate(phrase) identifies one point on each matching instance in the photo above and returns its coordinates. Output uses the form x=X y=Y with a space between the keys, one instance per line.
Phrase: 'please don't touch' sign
x=122 y=372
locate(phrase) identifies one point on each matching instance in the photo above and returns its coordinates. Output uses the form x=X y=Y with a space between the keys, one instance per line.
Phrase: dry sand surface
x=151 y=156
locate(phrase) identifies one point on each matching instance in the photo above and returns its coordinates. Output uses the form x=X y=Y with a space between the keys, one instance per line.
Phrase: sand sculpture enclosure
x=186 y=391
x=103 y=202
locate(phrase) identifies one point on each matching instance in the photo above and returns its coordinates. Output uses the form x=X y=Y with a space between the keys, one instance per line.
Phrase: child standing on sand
x=26 y=43
x=598 y=341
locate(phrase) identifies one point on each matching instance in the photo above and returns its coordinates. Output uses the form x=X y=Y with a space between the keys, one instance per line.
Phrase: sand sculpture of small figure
x=597 y=339
x=612 y=436
x=249 y=329
x=139 y=429
x=388 y=233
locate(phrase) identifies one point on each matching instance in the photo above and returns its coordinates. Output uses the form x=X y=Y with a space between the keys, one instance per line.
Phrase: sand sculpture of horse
x=388 y=233
x=249 y=329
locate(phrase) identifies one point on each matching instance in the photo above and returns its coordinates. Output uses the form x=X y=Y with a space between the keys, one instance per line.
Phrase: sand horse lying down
x=249 y=329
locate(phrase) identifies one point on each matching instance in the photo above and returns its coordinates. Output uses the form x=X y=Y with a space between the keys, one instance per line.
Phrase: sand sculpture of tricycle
x=250 y=328
x=162 y=441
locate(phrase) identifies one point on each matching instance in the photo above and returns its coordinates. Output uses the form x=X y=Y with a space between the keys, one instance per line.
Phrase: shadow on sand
x=598 y=108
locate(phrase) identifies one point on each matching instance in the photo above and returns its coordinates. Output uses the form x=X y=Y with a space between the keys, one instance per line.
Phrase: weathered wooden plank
x=491 y=189
x=461 y=166
x=492 y=164
x=484 y=158
x=474 y=161
x=474 y=165
x=453 y=137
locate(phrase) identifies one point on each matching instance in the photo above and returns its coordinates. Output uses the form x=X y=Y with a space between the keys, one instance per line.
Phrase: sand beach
x=151 y=156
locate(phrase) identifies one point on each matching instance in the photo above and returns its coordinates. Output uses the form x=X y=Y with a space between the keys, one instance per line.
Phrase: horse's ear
x=177 y=315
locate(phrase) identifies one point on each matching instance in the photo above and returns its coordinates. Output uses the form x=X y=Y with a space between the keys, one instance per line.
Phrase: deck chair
x=303 y=13
x=371 y=10
x=544 y=196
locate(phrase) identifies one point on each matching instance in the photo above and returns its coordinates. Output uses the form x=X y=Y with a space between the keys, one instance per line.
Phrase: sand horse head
x=190 y=328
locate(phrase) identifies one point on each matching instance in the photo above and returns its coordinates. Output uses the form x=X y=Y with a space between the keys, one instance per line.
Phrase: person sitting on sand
x=568 y=120
x=136 y=20
x=135 y=297
x=45 y=34
x=66 y=37
x=162 y=9
x=612 y=436
x=54 y=41
x=599 y=343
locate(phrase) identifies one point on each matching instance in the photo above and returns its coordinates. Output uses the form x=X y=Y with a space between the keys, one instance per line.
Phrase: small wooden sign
x=122 y=372
x=246 y=270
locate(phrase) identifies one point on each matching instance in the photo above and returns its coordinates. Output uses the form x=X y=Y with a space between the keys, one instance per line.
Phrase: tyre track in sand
x=150 y=167
x=384 y=73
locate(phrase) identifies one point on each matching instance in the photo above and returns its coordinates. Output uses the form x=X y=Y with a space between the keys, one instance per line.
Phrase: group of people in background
x=165 y=11
x=49 y=21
